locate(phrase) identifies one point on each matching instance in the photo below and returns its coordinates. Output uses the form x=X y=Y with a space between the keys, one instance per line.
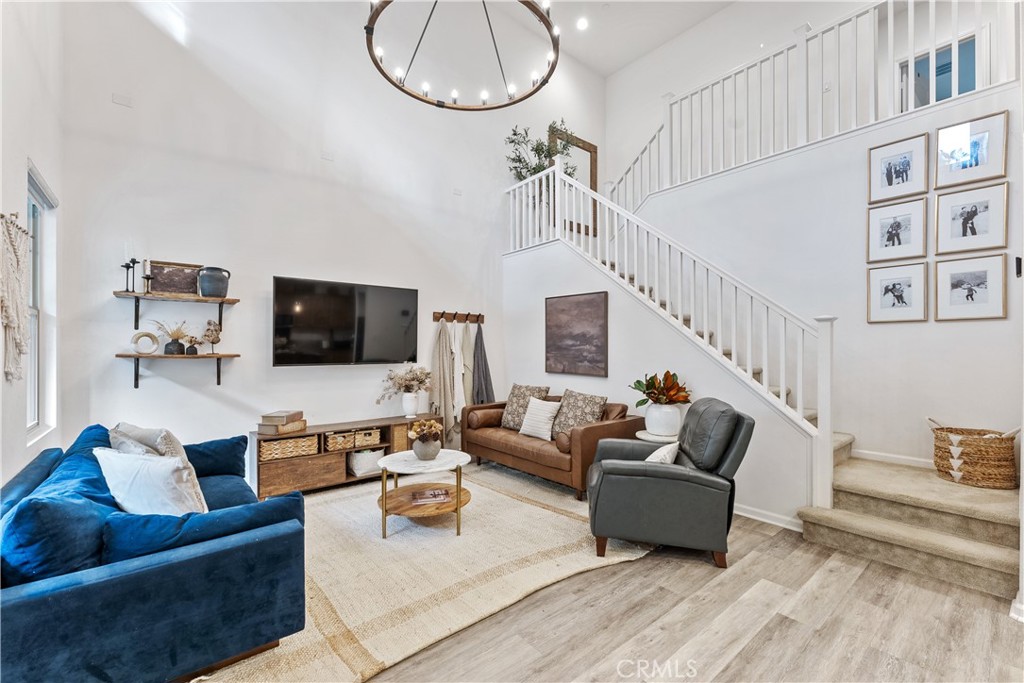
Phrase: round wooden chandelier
x=398 y=76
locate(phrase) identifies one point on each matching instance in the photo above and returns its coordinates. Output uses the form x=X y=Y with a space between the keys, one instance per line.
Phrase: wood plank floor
x=785 y=610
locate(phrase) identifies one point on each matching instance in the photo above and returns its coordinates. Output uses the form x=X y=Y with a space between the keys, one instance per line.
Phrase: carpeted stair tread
x=840 y=440
x=921 y=487
x=994 y=557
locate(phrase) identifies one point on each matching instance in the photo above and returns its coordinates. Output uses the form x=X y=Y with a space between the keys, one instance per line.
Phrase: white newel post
x=556 y=183
x=821 y=466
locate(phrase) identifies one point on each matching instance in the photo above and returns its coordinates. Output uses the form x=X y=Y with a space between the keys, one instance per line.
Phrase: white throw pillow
x=162 y=442
x=540 y=415
x=147 y=484
x=666 y=453
x=120 y=441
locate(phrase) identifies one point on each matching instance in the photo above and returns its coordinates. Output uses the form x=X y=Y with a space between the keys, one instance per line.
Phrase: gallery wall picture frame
x=576 y=334
x=897 y=231
x=971 y=151
x=898 y=169
x=898 y=294
x=972 y=288
x=971 y=220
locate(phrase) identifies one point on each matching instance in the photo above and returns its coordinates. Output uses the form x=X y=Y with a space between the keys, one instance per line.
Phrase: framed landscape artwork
x=174 y=278
x=969 y=220
x=898 y=294
x=971 y=288
x=897 y=231
x=971 y=151
x=898 y=169
x=576 y=334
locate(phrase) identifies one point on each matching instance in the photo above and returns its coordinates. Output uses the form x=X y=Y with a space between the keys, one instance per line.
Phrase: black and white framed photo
x=971 y=151
x=898 y=169
x=897 y=231
x=971 y=288
x=969 y=220
x=898 y=294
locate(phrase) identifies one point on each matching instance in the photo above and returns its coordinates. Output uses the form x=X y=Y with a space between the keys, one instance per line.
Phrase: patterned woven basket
x=339 y=441
x=369 y=437
x=965 y=456
x=288 y=448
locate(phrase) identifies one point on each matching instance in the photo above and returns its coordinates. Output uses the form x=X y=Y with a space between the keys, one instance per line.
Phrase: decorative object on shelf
x=145 y=350
x=426 y=438
x=193 y=345
x=213 y=282
x=665 y=394
x=174 y=278
x=175 y=334
x=14 y=294
x=975 y=457
x=971 y=151
x=529 y=157
x=970 y=220
x=147 y=280
x=400 y=75
x=898 y=169
x=576 y=334
x=898 y=294
x=212 y=334
x=129 y=273
x=408 y=382
x=897 y=231
x=971 y=288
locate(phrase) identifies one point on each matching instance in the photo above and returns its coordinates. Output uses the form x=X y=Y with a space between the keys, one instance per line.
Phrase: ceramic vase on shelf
x=663 y=419
x=174 y=348
x=410 y=402
x=426 y=450
x=213 y=282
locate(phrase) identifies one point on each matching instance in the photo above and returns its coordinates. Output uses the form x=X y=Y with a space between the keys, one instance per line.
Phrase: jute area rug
x=372 y=602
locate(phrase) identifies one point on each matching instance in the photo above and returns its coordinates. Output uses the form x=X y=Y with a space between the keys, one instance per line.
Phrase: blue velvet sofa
x=91 y=593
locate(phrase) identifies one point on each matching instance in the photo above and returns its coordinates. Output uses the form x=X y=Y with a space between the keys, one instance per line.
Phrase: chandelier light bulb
x=582 y=24
x=551 y=57
x=455 y=96
x=380 y=53
x=425 y=87
x=483 y=96
x=511 y=90
x=534 y=78
x=399 y=74
x=557 y=31
x=546 y=4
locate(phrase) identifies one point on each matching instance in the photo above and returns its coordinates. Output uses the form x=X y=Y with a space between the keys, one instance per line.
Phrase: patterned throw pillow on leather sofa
x=518 y=401
x=577 y=410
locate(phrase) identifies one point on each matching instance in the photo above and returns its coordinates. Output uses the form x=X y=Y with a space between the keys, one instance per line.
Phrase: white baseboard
x=792 y=523
x=892 y=458
x=1017 y=607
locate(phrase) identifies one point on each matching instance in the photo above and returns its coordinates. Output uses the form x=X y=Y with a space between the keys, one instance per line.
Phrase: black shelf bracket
x=136 y=365
x=136 y=327
x=220 y=321
x=218 y=371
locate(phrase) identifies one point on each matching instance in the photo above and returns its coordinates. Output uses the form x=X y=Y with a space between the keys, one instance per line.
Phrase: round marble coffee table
x=414 y=500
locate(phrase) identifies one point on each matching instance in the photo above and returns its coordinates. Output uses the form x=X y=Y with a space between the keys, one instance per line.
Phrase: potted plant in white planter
x=408 y=382
x=664 y=394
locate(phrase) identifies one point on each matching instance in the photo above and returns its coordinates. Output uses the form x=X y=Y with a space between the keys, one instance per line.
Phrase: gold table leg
x=383 y=502
x=458 y=500
x=395 y=475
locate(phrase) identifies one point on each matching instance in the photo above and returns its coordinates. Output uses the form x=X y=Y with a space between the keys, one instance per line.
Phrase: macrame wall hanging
x=14 y=294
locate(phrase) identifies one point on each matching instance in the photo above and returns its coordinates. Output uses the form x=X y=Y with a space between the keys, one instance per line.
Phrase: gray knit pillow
x=518 y=402
x=577 y=410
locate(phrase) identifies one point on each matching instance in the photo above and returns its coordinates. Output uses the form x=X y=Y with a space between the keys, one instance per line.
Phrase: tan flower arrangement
x=426 y=438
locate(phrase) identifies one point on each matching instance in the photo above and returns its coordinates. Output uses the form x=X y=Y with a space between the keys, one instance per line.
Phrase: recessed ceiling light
x=582 y=24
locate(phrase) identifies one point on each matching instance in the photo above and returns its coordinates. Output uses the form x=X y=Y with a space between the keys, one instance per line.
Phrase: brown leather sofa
x=564 y=460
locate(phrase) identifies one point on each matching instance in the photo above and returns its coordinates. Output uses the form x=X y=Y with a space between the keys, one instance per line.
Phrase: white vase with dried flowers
x=426 y=439
x=407 y=382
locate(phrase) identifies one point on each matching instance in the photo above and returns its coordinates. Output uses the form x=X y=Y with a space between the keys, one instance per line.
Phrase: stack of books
x=281 y=422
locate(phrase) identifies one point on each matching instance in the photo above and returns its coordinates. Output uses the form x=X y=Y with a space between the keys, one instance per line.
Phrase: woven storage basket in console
x=967 y=457
x=288 y=448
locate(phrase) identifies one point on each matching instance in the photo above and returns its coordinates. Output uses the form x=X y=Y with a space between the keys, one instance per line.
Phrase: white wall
x=634 y=107
x=219 y=161
x=31 y=93
x=773 y=479
x=793 y=227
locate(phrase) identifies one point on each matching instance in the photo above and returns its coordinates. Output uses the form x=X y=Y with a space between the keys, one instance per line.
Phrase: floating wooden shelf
x=221 y=302
x=211 y=356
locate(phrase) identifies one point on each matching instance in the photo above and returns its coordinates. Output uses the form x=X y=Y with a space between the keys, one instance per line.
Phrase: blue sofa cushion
x=225 y=491
x=221 y=456
x=58 y=527
x=126 y=536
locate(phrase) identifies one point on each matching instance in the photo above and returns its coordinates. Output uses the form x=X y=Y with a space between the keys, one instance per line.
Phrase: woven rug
x=372 y=602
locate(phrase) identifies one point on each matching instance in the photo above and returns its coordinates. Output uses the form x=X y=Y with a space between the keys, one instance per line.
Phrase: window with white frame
x=39 y=361
x=33 y=360
x=920 y=83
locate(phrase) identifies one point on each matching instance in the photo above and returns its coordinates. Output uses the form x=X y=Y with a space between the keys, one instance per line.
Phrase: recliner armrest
x=660 y=470
x=624 y=449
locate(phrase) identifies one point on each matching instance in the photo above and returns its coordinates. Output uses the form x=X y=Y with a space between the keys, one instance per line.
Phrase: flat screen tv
x=340 y=323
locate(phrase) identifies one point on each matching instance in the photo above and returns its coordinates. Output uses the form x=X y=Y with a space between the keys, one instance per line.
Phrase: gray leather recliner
x=686 y=503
